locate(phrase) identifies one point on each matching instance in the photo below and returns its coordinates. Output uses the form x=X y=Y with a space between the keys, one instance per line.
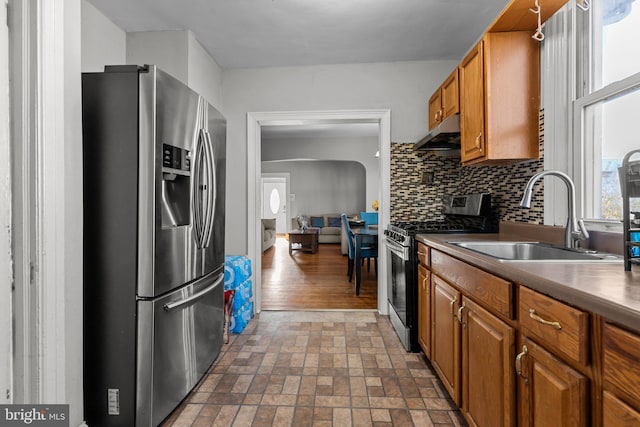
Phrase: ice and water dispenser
x=176 y=182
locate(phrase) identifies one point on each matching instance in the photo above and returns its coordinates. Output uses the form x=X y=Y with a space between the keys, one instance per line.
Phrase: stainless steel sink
x=536 y=252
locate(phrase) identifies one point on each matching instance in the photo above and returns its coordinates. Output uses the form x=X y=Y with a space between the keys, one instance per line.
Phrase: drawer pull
x=422 y=254
x=534 y=316
x=519 y=357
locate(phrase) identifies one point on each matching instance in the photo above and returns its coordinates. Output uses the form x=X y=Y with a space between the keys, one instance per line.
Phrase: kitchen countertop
x=602 y=288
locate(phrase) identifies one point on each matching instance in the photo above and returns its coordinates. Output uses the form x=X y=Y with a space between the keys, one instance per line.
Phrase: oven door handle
x=398 y=249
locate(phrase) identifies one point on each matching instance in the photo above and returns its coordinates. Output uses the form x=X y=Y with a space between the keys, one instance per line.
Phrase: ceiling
x=274 y=33
x=277 y=33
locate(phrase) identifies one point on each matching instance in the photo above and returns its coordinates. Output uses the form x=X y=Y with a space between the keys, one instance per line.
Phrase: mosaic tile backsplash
x=411 y=199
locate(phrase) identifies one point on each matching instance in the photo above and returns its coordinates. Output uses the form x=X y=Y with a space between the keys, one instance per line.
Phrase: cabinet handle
x=534 y=316
x=478 y=140
x=451 y=304
x=519 y=357
x=422 y=254
x=424 y=284
x=460 y=315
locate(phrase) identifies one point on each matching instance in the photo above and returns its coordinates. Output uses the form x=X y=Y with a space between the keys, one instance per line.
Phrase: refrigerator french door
x=154 y=157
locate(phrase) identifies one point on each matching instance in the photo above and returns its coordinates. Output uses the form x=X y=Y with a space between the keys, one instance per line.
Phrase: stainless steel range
x=467 y=213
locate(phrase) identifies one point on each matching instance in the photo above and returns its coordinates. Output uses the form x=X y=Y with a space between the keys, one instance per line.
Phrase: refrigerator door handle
x=172 y=305
x=199 y=189
x=211 y=183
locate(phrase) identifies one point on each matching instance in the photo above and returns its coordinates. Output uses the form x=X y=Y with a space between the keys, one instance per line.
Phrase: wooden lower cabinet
x=488 y=376
x=616 y=413
x=445 y=335
x=550 y=392
x=424 y=310
x=621 y=377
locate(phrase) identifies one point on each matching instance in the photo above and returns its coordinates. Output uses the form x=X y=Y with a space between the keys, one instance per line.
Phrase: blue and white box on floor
x=237 y=277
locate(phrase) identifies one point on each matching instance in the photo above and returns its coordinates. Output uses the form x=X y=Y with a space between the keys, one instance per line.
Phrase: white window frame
x=567 y=75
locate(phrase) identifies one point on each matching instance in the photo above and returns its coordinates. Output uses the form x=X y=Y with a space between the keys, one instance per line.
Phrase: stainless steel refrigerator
x=154 y=157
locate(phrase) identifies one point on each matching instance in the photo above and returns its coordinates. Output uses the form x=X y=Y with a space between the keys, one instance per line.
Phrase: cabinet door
x=424 y=310
x=472 y=105
x=445 y=335
x=621 y=365
x=435 y=109
x=550 y=392
x=450 y=95
x=616 y=413
x=488 y=376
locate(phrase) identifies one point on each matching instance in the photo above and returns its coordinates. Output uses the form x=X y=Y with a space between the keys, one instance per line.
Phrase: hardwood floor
x=306 y=281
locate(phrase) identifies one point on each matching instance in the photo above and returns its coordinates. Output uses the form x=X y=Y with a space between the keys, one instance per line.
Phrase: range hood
x=444 y=139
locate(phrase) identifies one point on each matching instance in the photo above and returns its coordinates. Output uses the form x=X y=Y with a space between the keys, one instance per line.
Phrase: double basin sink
x=536 y=252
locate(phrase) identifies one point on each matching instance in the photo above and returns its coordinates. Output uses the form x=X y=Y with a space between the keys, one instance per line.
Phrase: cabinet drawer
x=494 y=292
x=621 y=367
x=423 y=254
x=564 y=328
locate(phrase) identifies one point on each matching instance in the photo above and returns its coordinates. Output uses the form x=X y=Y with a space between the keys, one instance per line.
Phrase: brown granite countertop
x=605 y=289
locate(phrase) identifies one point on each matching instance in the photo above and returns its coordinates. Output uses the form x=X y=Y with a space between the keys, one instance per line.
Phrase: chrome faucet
x=575 y=229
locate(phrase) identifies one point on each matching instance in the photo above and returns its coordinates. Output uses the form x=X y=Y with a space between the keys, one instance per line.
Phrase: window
x=607 y=106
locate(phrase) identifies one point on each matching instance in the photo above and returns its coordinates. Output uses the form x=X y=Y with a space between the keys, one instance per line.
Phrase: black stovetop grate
x=449 y=224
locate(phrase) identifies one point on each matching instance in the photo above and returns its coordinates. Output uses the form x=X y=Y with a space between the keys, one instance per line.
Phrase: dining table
x=360 y=235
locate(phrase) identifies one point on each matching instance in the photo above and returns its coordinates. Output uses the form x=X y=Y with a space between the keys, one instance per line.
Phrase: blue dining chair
x=368 y=250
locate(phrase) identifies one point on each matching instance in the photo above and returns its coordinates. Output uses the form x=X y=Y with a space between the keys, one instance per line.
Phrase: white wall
x=182 y=56
x=360 y=150
x=403 y=87
x=177 y=52
x=6 y=276
x=70 y=209
x=103 y=42
x=168 y=50
x=204 y=74
x=321 y=186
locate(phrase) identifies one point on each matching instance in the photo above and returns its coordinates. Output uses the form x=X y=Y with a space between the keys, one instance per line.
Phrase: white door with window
x=274 y=201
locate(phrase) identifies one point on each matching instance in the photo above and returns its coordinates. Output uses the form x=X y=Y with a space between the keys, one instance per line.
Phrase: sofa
x=268 y=233
x=329 y=225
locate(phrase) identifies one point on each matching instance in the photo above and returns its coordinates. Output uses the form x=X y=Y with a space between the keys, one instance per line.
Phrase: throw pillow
x=317 y=221
x=334 y=221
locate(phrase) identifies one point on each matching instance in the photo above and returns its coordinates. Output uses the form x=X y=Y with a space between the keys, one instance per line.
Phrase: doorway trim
x=255 y=120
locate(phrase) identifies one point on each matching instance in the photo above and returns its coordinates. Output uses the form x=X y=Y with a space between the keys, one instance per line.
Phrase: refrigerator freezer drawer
x=179 y=337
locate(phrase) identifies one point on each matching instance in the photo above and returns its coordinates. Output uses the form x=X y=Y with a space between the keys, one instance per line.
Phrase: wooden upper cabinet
x=472 y=133
x=517 y=15
x=500 y=99
x=450 y=95
x=435 y=109
x=445 y=100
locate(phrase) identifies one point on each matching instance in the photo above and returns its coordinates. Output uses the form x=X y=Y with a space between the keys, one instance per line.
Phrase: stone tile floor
x=335 y=368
